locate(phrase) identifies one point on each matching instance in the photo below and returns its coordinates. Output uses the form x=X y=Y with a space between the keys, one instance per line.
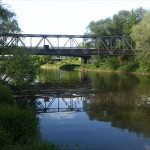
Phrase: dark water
x=94 y=111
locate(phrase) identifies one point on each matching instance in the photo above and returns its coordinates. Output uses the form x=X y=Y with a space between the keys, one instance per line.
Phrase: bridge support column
x=86 y=60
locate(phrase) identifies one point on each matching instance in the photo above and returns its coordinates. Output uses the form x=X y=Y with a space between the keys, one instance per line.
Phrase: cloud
x=62 y=115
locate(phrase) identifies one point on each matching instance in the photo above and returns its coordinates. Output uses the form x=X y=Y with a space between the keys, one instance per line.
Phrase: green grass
x=129 y=67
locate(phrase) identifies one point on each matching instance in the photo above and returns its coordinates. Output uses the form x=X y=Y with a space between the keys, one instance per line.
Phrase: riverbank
x=19 y=125
x=128 y=69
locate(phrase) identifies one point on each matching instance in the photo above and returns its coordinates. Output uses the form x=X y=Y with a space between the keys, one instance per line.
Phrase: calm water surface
x=94 y=111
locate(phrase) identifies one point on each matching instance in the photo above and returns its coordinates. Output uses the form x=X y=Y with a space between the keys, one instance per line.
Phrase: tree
x=120 y=24
x=8 y=22
x=141 y=33
x=102 y=27
x=141 y=36
x=20 y=68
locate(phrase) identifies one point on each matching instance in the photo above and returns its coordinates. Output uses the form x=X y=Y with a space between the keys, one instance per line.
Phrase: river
x=94 y=111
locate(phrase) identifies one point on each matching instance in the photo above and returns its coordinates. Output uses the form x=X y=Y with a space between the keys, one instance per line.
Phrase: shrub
x=22 y=125
x=5 y=138
x=112 y=62
x=129 y=67
x=6 y=96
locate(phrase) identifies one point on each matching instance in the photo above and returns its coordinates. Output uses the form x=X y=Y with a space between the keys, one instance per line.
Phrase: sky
x=66 y=16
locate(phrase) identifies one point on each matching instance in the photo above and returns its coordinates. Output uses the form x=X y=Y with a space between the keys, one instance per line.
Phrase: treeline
x=134 y=24
x=120 y=24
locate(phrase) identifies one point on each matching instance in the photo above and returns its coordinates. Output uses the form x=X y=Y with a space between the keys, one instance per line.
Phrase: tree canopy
x=8 y=21
x=141 y=32
x=120 y=24
x=19 y=68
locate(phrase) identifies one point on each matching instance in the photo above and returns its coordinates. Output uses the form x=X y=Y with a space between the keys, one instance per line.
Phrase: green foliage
x=112 y=62
x=21 y=68
x=143 y=58
x=40 y=60
x=97 y=60
x=120 y=24
x=5 y=138
x=101 y=27
x=71 y=60
x=22 y=125
x=19 y=128
x=5 y=95
x=129 y=67
x=141 y=33
x=8 y=23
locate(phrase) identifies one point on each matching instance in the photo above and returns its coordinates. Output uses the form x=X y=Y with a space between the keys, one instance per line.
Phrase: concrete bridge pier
x=86 y=60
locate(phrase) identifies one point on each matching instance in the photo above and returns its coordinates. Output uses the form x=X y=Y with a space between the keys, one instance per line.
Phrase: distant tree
x=120 y=24
x=141 y=36
x=124 y=20
x=102 y=27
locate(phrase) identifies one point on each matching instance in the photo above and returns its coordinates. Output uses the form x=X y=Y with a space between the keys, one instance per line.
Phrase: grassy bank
x=127 y=68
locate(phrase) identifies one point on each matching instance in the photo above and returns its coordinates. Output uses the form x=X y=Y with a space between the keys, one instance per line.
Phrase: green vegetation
x=8 y=23
x=6 y=96
x=19 y=70
x=119 y=24
x=19 y=128
x=136 y=25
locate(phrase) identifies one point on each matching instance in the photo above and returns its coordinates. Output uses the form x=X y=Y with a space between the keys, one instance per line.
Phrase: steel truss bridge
x=68 y=45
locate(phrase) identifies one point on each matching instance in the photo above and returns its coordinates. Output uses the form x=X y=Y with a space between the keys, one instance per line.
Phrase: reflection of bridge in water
x=62 y=103
x=79 y=100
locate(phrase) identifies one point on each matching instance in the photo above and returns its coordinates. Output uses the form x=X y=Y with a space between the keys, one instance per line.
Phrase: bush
x=143 y=58
x=97 y=60
x=22 y=125
x=6 y=96
x=5 y=138
x=112 y=62
x=129 y=67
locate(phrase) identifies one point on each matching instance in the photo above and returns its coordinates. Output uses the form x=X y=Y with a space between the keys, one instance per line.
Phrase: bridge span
x=68 y=45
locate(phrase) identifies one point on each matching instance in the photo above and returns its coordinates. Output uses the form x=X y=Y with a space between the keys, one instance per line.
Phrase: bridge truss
x=69 y=45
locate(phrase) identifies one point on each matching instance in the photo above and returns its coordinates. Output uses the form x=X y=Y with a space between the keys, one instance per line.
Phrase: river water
x=94 y=111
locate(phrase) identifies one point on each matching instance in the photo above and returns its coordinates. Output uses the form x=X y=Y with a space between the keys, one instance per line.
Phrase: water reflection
x=62 y=103
x=111 y=107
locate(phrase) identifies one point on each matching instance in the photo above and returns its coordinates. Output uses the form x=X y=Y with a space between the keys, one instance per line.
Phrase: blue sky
x=66 y=16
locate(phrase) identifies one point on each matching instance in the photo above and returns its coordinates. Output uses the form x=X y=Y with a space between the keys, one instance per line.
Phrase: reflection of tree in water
x=57 y=77
x=103 y=82
x=111 y=97
x=122 y=112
